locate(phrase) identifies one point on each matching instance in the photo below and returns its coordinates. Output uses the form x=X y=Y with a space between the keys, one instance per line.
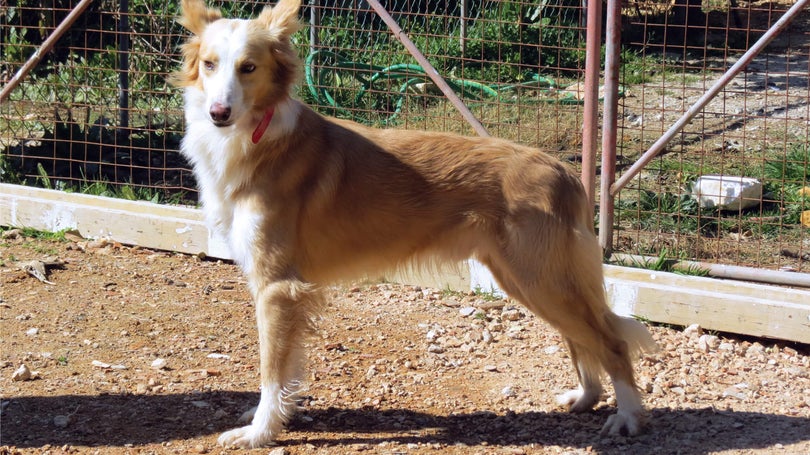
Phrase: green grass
x=58 y=236
x=33 y=238
x=666 y=261
x=491 y=295
x=107 y=189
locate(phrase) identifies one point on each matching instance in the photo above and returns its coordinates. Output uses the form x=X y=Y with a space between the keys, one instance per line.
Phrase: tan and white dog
x=306 y=200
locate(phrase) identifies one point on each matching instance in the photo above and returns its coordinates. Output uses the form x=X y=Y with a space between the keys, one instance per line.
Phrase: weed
x=449 y=292
x=664 y=262
x=690 y=269
x=642 y=319
x=492 y=295
x=784 y=179
x=58 y=236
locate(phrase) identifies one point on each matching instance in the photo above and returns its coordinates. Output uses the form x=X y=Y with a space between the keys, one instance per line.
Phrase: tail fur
x=636 y=335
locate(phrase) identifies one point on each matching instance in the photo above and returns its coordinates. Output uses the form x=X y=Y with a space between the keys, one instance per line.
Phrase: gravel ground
x=135 y=351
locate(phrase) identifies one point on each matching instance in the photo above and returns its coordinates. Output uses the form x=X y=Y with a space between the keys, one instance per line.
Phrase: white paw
x=247 y=437
x=578 y=400
x=622 y=424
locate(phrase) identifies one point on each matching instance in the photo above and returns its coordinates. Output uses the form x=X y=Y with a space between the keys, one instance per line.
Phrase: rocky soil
x=132 y=351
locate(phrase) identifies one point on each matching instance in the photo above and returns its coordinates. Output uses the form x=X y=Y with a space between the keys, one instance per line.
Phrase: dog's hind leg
x=560 y=279
x=283 y=314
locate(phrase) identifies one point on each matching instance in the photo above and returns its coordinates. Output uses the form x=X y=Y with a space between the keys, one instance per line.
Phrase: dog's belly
x=343 y=251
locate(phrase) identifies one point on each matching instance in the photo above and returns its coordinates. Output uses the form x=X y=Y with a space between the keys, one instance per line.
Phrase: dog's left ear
x=282 y=19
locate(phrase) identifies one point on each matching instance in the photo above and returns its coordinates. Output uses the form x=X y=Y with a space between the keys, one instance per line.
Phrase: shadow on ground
x=118 y=420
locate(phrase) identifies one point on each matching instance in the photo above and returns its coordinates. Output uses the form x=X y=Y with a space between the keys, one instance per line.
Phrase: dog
x=305 y=200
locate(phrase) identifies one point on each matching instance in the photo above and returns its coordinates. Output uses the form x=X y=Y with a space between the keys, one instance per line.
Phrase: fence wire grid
x=97 y=115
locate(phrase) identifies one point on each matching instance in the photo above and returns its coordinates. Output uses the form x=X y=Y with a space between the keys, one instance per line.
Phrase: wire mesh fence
x=750 y=141
x=97 y=115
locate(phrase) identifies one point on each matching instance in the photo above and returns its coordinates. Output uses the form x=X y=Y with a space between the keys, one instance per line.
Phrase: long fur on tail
x=639 y=340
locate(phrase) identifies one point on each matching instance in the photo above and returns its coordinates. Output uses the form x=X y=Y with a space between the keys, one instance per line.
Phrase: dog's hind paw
x=622 y=424
x=247 y=437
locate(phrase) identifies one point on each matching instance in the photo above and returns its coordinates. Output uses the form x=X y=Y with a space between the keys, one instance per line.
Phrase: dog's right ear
x=196 y=16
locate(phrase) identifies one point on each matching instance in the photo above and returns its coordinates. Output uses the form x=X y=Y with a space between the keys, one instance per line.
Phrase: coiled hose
x=410 y=75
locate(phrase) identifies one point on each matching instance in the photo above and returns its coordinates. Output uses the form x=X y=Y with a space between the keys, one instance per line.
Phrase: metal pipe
x=43 y=49
x=732 y=72
x=593 y=44
x=609 y=123
x=123 y=66
x=429 y=69
x=463 y=30
x=314 y=25
x=733 y=272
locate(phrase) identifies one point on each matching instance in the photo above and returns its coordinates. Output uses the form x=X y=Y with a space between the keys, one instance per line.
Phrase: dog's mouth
x=222 y=124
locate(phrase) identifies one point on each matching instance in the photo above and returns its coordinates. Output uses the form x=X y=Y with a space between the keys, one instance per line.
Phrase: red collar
x=262 y=127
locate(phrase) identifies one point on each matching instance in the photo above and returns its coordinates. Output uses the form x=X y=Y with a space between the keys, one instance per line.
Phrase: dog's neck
x=263 y=124
x=276 y=121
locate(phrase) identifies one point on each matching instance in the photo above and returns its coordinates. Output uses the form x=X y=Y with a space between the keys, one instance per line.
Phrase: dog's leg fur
x=589 y=372
x=283 y=312
x=562 y=282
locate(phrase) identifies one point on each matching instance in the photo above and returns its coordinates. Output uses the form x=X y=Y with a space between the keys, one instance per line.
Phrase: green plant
x=57 y=236
x=491 y=295
x=448 y=292
x=666 y=261
x=662 y=211
x=690 y=269
x=8 y=172
x=785 y=179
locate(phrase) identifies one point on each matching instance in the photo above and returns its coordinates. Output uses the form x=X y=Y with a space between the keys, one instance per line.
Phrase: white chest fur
x=222 y=167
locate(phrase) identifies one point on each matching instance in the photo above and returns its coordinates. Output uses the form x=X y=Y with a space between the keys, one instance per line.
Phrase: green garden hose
x=409 y=76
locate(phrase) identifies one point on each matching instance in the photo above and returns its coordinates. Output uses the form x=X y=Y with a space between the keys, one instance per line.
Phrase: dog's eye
x=247 y=68
x=209 y=65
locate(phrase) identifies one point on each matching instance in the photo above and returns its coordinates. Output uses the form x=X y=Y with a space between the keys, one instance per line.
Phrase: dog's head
x=237 y=66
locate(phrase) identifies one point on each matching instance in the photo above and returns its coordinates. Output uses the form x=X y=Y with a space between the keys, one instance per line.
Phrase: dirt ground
x=134 y=351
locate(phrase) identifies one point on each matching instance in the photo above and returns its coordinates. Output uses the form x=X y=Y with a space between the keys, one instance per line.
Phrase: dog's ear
x=196 y=16
x=281 y=20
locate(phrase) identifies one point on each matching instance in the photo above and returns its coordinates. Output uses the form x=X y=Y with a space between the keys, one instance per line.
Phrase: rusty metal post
x=46 y=47
x=590 y=130
x=613 y=37
x=314 y=25
x=123 y=65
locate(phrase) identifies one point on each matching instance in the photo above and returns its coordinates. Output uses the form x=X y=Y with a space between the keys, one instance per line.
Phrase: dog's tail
x=635 y=334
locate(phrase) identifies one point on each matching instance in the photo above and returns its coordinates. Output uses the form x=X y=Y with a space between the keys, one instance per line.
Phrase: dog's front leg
x=283 y=310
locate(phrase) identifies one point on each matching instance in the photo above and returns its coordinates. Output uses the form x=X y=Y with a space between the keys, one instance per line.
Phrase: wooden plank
x=730 y=306
x=715 y=304
x=131 y=222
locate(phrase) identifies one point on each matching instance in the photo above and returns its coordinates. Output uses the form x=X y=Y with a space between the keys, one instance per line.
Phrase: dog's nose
x=219 y=112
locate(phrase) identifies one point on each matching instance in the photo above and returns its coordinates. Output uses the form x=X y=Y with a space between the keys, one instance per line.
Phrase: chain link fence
x=732 y=187
x=97 y=115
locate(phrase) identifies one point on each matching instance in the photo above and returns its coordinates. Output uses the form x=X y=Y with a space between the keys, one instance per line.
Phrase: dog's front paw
x=578 y=400
x=622 y=424
x=247 y=437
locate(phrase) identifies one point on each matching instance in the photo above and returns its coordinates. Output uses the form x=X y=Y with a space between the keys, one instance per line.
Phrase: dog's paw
x=578 y=400
x=247 y=437
x=622 y=424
